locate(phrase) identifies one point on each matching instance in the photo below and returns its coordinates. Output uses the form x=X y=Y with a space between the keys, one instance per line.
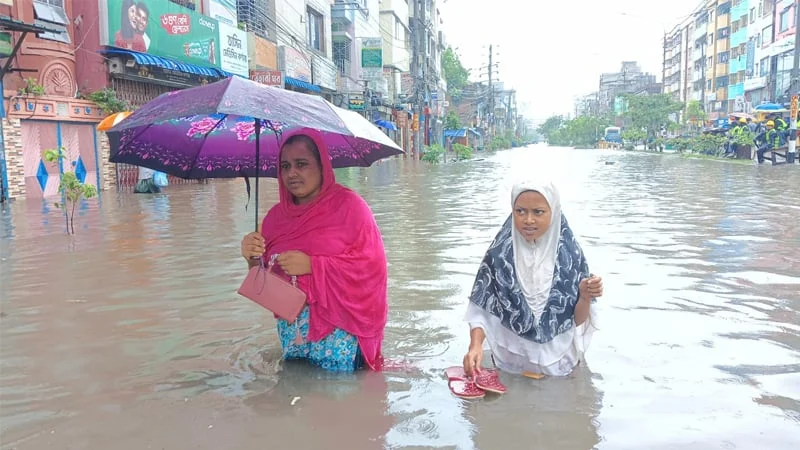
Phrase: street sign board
x=793 y=117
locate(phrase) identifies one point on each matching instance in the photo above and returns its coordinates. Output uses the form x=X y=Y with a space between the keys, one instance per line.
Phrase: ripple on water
x=135 y=322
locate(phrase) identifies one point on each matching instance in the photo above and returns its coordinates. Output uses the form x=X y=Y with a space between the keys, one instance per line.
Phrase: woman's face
x=532 y=215
x=301 y=173
x=133 y=17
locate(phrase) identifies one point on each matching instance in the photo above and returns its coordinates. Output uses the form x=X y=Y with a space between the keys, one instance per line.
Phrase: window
x=342 y=56
x=735 y=27
x=786 y=19
x=710 y=38
x=766 y=36
x=724 y=8
x=735 y=52
x=708 y=84
x=723 y=33
x=736 y=2
x=722 y=81
x=723 y=57
x=764 y=66
x=255 y=16
x=50 y=14
x=752 y=15
x=316 y=30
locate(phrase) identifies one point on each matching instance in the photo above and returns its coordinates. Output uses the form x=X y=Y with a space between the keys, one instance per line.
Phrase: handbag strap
x=272 y=260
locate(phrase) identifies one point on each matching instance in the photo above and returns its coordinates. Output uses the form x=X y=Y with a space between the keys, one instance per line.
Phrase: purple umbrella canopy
x=210 y=131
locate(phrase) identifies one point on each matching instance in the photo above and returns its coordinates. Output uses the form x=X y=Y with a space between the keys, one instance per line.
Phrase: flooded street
x=131 y=335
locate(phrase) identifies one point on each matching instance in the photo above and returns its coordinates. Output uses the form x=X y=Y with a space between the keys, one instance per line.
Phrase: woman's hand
x=253 y=246
x=473 y=360
x=294 y=263
x=591 y=287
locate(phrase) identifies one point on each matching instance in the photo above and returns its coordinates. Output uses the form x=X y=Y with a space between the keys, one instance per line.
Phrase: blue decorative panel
x=42 y=175
x=46 y=108
x=87 y=110
x=31 y=106
x=17 y=107
x=80 y=170
x=77 y=110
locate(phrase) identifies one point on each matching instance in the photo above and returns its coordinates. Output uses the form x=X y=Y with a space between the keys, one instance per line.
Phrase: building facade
x=741 y=56
x=40 y=108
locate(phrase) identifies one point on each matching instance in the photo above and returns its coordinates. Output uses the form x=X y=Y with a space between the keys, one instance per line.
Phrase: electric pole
x=420 y=61
x=490 y=116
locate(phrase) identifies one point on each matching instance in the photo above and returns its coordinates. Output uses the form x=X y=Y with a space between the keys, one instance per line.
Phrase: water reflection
x=135 y=322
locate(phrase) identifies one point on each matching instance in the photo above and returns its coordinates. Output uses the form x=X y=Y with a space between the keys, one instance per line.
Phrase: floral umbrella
x=216 y=130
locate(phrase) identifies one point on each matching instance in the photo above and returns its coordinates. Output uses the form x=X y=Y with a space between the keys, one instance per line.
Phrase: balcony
x=343 y=13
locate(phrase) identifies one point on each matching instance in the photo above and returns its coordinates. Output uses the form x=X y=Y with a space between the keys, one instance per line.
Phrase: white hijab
x=535 y=262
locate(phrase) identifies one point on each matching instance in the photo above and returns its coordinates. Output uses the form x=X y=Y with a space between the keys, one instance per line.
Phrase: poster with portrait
x=163 y=28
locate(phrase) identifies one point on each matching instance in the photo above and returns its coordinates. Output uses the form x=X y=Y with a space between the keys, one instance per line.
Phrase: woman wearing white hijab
x=533 y=296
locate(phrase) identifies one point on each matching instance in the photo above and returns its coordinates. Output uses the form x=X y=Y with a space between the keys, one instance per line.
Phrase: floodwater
x=131 y=335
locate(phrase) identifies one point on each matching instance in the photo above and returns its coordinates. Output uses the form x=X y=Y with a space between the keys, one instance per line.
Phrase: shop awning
x=461 y=132
x=386 y=124
x=157 y=61
x=302 y=84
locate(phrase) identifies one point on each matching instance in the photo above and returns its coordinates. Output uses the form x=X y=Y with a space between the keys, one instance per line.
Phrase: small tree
x=452 y=121
x=71 y=189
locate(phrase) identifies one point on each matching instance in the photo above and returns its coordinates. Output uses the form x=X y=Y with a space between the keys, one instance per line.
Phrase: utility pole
x=490 y=116
x=420 y=61
x=794 y=87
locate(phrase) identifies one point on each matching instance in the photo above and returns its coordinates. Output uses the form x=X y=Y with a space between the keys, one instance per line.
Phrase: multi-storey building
x=739 y=61
x=741 y=56
x=628 y=80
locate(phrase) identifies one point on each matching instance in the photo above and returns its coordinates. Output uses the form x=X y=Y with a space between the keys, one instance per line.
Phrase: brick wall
x=12 y=133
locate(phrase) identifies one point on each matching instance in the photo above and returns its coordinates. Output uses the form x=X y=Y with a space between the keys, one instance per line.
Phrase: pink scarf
x=347 y=287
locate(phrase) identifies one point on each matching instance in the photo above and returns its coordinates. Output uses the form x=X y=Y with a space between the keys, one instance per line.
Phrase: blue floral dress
x=337 y=352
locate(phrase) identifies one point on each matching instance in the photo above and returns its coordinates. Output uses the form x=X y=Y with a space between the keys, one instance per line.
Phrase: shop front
x=169 y=48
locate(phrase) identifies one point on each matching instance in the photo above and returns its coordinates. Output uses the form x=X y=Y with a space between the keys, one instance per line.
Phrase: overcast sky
x=555 y=51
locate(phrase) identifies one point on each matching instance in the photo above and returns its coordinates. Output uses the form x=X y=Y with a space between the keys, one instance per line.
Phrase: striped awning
x=302 y=84
x=157 y=61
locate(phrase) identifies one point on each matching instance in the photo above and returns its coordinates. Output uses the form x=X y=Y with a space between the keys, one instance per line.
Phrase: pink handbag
x=272 y=292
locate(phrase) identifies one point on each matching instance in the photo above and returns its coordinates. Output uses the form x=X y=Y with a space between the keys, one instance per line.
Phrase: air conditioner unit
x=116 y=65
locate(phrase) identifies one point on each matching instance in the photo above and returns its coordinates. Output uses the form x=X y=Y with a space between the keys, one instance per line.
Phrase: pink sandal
x=460 y=385
x=489 y=381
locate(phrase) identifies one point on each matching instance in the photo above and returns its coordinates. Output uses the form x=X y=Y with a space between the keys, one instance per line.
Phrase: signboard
x=324 y=73
x=372 y=53
x=165 y=29
x=263 y=53
x=356 y=102
x=268 y=77
x=233 y=49
x=793 y=117
x=223 y=10
x=294 y=64
x=150 y=73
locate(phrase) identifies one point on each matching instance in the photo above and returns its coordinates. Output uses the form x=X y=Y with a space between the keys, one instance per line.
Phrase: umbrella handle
x=258 y=162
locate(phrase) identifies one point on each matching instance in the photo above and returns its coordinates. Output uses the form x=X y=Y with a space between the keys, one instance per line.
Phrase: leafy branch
x=72 y=190
x=108 y=101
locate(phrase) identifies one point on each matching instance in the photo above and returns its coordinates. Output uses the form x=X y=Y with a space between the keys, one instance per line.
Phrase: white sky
x=552 y=52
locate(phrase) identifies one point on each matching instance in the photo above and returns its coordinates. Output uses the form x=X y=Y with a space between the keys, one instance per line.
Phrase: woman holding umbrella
x=325 y=235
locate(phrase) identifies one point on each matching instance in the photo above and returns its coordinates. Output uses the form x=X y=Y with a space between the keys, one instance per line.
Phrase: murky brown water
x=131 y=336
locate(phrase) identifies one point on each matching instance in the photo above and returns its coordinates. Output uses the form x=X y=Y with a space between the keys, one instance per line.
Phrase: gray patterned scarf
x=498 y=291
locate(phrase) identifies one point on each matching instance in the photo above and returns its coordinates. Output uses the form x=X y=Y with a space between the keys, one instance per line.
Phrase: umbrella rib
x=200 y=149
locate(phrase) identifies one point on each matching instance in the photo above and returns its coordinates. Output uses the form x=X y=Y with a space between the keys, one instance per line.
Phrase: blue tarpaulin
x=386 y=124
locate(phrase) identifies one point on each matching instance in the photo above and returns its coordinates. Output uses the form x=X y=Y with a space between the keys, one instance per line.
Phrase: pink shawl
x=347 y=287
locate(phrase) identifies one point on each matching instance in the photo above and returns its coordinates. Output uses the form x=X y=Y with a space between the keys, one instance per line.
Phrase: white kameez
x=514 y=354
